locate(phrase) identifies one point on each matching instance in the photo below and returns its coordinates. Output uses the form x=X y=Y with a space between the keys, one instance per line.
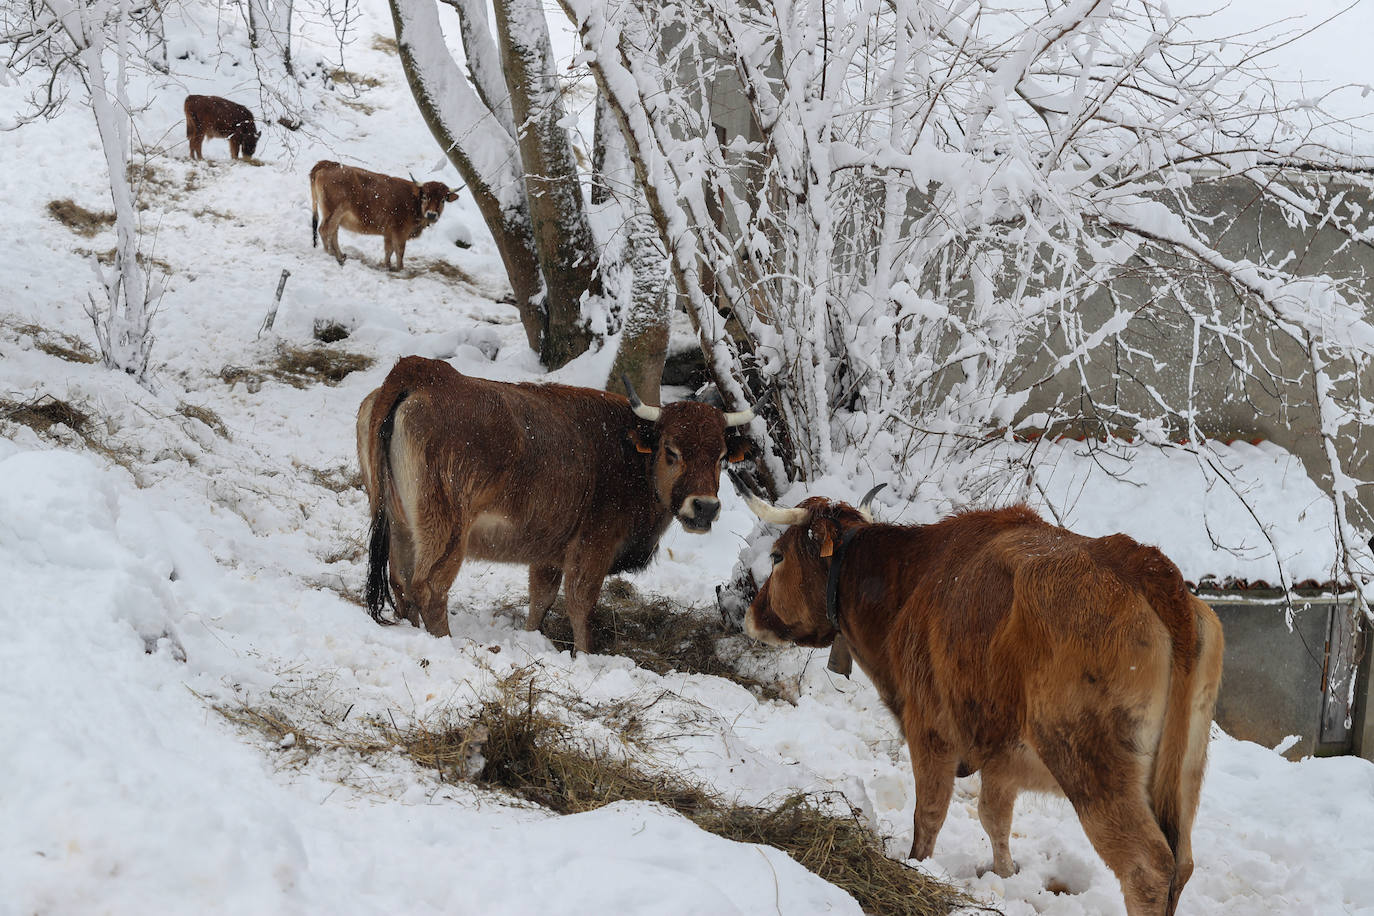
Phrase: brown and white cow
x=209 y=117
x=1003 y=644
x=575 y=482
x=371 y=203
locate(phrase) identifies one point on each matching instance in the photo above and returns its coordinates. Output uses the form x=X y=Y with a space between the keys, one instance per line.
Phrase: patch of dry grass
x=383 y=43
x=83 y=222
x=47 y=416
x=339 y=479
x=204 y=415
x=54 y=343
x=654 y=632
x=147 y=262
x=356 y=80
x=452 y=272
x=515 y=745
x=44 y=412
x=300 y=367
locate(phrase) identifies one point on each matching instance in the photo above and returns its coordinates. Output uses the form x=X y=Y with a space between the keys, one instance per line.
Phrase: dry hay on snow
x=653 y=631
x=55 y=343
x=300 y=367
x=83 y=222
x=355 y=80
x=516 y=745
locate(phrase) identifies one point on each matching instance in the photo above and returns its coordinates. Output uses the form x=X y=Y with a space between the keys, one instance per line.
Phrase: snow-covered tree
x=85 y=37
x=269 y=35
x=940 y=212
x=502 y=128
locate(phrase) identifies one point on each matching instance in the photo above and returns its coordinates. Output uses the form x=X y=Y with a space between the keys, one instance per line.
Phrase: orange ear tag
x=827 y=545
x=639 y=444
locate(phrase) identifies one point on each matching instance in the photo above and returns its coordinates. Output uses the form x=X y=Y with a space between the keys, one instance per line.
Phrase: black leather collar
x=832 y=583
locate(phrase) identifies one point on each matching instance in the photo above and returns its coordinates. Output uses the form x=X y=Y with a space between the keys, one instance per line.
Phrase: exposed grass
x=356 y=80
x=83 y=222
x=212 y=213
x=383 y=43
x=54 y=343
x=514 y=744
x=48 y=416
x=44 y=412
x=204 y=415
x=339 y=479
x=152 y=183
x=147 y=262
x=652 y=631
x=300 y=367
x=359 y=106
x=450 y=271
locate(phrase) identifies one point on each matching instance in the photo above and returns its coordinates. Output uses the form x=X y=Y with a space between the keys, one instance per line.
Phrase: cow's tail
x=315 y=199
x=314 y=212
x=1194 y=676
x=378 y=592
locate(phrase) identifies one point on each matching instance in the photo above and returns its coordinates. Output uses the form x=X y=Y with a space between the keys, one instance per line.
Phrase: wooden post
x=276 y=303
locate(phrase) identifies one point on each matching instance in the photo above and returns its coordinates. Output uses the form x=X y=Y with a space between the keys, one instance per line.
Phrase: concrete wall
x=1265 y=392
x=1273 y=680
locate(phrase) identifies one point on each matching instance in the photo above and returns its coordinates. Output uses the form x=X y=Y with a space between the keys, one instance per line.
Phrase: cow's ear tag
x=739 y=451
x=640 y=445
x=827 y=544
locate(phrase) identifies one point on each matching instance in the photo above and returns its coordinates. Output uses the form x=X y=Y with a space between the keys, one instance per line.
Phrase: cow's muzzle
x=698 y=512
x=431 y=216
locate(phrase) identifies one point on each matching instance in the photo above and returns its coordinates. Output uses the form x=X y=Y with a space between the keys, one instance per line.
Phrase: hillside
x=199 y=716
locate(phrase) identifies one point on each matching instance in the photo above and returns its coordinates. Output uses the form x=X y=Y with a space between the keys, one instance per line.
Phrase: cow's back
x=534 y=465
x=370 y=201
x=217 y=117
x=1009 y=616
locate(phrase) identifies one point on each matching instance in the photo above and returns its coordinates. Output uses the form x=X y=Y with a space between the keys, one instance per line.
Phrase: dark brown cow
x=575 y=482
x=209 y=117
x=1047 y=660
x=371 y=203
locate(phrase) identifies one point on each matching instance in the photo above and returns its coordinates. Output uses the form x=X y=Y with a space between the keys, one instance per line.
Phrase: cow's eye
x=672 y=455
x=775 y=557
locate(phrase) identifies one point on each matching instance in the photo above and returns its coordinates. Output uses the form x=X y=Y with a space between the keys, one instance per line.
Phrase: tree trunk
x=644 y=333
x=460 y=122
x=562 y=236
x=644 y=340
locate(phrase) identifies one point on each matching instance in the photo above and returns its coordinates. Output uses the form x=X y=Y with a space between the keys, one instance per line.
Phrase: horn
x=738 y=417
x=642 y=410
x=867 y=501
x=776 y=515
x=412 y=178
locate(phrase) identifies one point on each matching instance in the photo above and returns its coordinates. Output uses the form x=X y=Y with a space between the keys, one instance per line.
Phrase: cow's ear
x=643 y=443
x=451 y=196
x=738 y=448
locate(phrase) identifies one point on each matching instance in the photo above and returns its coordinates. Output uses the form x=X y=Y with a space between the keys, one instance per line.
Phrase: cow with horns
x=371 y=203
x=576 y=483
x=1003 y=644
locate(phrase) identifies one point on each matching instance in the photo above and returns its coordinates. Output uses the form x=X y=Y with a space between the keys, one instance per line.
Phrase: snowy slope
x=137 y=600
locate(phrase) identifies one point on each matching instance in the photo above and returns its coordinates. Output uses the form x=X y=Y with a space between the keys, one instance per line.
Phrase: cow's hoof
x=999 y=869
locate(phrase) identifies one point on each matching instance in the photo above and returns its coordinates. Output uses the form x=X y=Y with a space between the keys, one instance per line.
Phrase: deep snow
x=125 y=793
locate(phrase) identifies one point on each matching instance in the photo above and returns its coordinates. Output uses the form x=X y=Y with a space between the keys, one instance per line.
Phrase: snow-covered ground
x=208 y=573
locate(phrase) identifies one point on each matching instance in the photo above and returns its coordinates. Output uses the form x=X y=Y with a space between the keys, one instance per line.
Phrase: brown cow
x=1047 y=660
x=371 y=203
x=211 y=117
x=575 y=482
